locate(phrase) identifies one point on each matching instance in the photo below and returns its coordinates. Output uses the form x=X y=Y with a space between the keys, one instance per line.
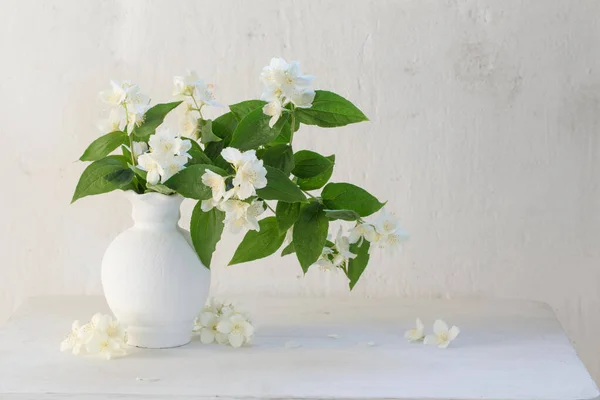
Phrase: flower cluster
x=128 y=106
x=284 y=84
x=336 y=256
x=167 y=155
x=384 y=231
x=195 y=94
x=103 y=336
x=236 y=195
x=441 y=337
x=223 y=324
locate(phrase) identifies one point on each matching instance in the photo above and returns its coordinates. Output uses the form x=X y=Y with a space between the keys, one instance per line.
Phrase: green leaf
x=240 y=110
x=104 y=145
x=280 y=187
x=357 y=265
x=287 y=214
x=126 y=152
x=120 y=177
x=188 y=181
x=213 y=149
x=206 y=132
x=310 y=234
x=256 y=245
x=346 y=215
x=224 y=126
x=330 y=110
x=318 y=181
x=206 y=229
x=103 y=176
x=309 y=164
x=286 y=132
x=345 y=196
x=253 y=131
x=162 y=189
x=153 y=118
x=289 y=249
x=198 y=156
x=279 y=156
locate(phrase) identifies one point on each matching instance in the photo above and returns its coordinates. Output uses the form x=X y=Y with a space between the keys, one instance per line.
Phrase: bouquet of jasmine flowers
x=242 y=164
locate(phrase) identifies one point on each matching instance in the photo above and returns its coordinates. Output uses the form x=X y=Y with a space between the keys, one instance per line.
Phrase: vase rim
x=152 y=196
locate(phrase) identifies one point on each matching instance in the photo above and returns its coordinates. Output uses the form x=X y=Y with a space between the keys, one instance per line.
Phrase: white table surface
x=507 y=350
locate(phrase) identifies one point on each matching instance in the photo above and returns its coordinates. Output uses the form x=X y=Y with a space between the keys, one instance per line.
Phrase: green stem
x=310 y=195
x=270 y=208
x=293 y=127
x=130 y=136
x=198 y=108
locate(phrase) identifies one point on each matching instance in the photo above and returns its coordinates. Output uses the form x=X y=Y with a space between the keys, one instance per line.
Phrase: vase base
x=159 y=337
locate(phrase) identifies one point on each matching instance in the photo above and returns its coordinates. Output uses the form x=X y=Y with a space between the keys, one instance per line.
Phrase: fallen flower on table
x=416 y=334
x=223 y=324
x=442 y=336
x=103 y=336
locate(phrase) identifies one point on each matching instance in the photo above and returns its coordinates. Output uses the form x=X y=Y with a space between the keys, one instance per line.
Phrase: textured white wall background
x=484 y=137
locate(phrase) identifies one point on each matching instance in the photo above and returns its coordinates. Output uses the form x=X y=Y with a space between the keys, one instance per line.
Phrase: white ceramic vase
x=153 y=280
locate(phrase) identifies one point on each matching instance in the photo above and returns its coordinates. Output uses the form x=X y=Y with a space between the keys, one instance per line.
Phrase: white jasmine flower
x=250 y=176
x=216 y=183
x=238 y=330
x=74 y=340
x=237 y=158
x=168 y=155
x=342 y=245
x=103 y=344
x=113 y=123
x=139 y=148
x=192 y=86
x=167 y=142
x=207 y=205
x=388 y=233
x=171 y=165
x=302 y=98
x=324 y=262
x=442 y=336
x=386 y=223
x=115 y=96
x=135 y=115
x=274 y=110
x=205 y=93
x=250 y=172
x=102 y=335
x=255 y=209
x=206 y=327
x=273 y=75
x=416 y=334
x=146 y=162
x=393 y=240
x=235 y=208
x=360 y=231
x=241 y=215
x=107 y=337
x=124 y=93
x=279 y=76
x=185 y=85
x=188 y=124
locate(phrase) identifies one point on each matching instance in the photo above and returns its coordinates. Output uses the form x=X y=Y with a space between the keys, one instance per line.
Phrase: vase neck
x=155 y=209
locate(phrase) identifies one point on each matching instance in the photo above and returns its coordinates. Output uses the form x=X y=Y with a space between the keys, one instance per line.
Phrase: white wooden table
x=507 y=350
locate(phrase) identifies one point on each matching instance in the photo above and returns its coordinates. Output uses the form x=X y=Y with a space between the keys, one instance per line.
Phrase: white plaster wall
x=485 y=118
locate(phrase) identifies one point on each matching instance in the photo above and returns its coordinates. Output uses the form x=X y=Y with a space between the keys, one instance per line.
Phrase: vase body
x=153 y=281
